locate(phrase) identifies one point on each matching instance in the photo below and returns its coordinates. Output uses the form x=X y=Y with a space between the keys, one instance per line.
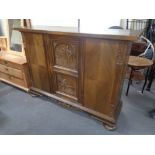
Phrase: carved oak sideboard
x=81 y=69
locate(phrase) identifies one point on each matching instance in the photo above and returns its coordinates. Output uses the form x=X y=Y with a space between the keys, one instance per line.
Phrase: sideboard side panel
x=103 y=74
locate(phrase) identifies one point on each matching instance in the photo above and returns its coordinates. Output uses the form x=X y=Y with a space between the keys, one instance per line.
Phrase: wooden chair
x=140 y=62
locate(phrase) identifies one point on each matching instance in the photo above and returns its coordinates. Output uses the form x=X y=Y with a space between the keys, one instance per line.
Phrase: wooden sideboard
x=81 y=69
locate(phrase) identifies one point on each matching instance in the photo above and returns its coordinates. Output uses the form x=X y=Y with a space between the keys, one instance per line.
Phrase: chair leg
x=151 y=77
x=146 y=77
x=129 y=82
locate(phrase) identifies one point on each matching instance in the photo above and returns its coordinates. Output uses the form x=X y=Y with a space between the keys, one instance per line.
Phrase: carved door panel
x=64 y=66
x=66 y=54
x=66 y=86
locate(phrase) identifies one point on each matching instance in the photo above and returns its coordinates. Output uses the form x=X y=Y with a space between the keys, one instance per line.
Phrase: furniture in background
x=14 y=70
x=148 y=26
x=115 y=27
x=137 y=24
x=80 y=69
x=27 y=23
x=138 y=63
x=3 y=43
x=13 y=64
x=138 y=47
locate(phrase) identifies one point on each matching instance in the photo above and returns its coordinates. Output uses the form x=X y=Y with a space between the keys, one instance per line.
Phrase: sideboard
x=85 y=70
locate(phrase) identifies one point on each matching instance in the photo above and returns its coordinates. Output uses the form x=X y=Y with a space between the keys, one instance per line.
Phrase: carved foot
x=109 y=127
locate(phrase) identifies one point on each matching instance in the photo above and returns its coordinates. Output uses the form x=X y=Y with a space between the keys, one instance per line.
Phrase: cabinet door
x=36 y=57
x=64 y=66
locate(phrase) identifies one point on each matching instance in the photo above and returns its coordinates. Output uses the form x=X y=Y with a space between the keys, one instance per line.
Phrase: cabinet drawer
x=10 y=64
x=12 y=79
x=11 y=71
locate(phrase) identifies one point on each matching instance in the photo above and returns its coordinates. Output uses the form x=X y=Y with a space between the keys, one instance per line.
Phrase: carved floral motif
x=66 y=85
x=119 y=58
x=65 y=55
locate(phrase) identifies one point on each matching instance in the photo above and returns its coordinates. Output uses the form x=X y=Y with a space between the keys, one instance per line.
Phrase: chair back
x=149 y=46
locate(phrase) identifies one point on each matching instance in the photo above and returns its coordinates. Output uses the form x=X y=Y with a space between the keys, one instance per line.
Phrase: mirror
x=15 y=36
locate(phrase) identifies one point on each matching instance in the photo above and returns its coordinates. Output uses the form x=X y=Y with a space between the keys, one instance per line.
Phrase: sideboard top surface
x=116 y=34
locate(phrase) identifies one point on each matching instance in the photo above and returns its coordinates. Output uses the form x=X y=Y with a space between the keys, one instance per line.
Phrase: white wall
x=55 y=22
x=123 y=23
x=4 y=26
x=85 y=24
x=98 y=25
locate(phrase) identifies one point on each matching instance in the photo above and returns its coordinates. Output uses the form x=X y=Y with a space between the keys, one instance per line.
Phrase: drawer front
x=10 y=64
x=66 y=86
x=11 y=71
x=12 y=79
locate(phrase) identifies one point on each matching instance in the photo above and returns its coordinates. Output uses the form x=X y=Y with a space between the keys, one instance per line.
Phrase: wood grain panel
x=10 y=64
x=11 y=71
x=13 y=68
x=65 y=71
x=121 y=57
x=100 y=83
x=37 y=60
x=12 y=79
